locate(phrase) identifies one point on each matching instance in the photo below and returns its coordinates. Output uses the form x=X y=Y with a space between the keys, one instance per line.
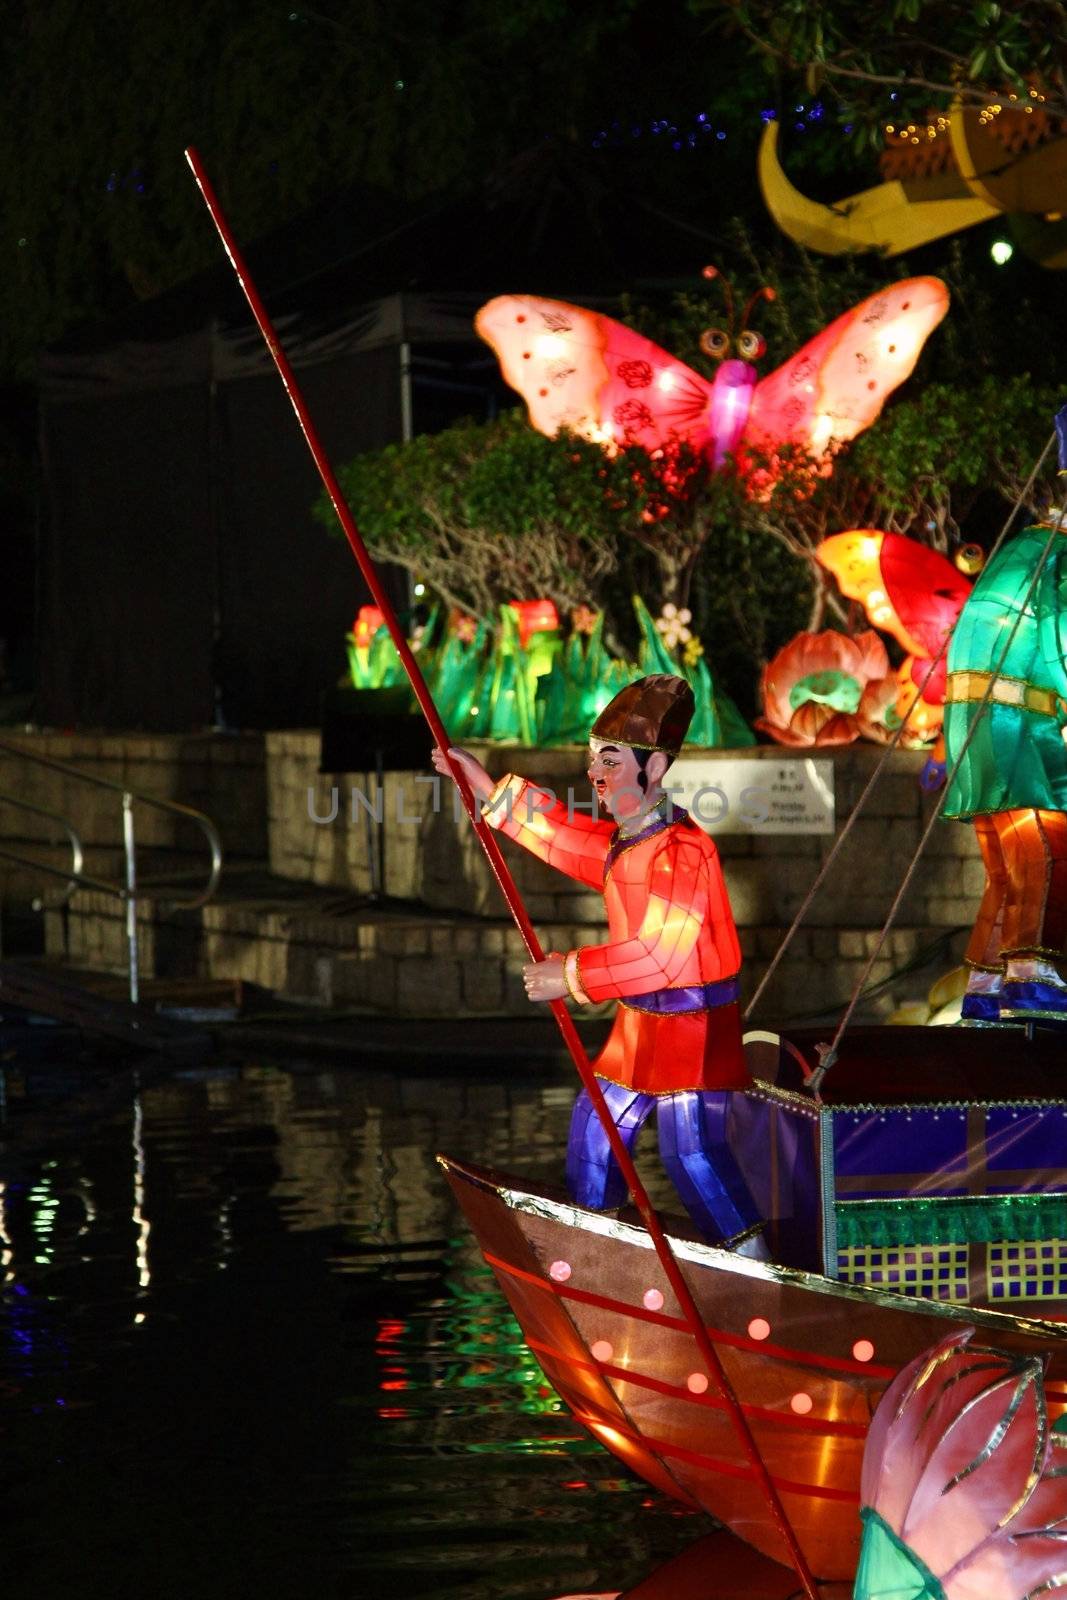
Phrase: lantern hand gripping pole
x=503 y=876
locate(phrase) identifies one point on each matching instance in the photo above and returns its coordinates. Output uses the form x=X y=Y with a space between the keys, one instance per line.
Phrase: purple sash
x=693 y=997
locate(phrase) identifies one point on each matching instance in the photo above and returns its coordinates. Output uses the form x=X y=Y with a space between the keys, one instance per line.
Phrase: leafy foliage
x=486 y=513
x=923 y=52
x=490 y=512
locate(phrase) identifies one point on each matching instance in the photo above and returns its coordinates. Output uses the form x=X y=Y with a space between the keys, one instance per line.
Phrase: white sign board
x=744 y=795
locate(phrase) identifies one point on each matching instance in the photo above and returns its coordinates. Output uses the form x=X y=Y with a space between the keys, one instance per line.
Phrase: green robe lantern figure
x=1007 y=666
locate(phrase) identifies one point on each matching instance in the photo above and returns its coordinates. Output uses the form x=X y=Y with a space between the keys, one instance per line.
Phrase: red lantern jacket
x=672 y=956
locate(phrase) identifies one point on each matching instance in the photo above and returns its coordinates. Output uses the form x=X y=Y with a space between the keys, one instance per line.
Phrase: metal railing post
x=75 y=878
x=131 y=893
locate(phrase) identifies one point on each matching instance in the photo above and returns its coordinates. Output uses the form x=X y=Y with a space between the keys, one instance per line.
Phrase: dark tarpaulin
x=289 y=591
x=184 y=580
x=126 y=564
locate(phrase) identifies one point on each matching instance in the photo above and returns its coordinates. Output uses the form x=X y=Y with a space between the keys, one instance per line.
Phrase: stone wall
x=433 y=859
x=220 y=774
x=441 y=943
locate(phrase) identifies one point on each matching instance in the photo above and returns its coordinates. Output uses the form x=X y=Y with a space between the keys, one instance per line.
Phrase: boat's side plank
x=546 y=1321
x=807 y=1359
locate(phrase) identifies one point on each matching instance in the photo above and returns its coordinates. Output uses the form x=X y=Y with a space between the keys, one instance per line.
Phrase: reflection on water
x=248 y=1349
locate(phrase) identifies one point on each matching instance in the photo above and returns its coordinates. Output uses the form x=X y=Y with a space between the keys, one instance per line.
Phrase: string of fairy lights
x=917 y=133
x=700 y=131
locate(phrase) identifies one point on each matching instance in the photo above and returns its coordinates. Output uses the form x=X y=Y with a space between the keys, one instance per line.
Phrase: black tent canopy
x=184 y=581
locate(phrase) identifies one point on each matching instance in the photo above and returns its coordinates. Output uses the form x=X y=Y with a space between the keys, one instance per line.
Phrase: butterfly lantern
x=913 y=593
x=582 y=371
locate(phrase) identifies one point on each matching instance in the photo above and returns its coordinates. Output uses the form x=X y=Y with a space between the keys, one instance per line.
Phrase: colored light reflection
x=140 y=1220
x=7 y=1253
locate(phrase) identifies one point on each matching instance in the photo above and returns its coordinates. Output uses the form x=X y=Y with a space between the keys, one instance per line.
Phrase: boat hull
x=807 y=1357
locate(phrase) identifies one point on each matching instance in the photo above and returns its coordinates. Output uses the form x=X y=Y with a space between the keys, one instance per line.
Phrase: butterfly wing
x=926 y=590
x=837 y=383
x=583 y=371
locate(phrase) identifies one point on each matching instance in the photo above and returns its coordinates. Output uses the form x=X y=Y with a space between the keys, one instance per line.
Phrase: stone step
x=324 y=947
x=223 y=775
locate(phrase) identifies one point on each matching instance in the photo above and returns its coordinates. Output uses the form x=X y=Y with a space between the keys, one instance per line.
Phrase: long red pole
x=503 y=877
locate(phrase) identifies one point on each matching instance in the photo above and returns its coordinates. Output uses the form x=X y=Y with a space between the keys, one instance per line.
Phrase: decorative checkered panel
x=1032 y=1269
x=933 y=1271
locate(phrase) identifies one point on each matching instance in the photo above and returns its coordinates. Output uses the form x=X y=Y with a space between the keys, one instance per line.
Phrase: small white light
x=1002 y=251
x=420 y=588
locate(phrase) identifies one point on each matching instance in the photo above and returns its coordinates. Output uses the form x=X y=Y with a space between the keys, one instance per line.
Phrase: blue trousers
x=692 y=1145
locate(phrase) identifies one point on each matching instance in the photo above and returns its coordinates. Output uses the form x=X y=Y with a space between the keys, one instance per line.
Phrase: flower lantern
x=825 y=689
x=964 y=1484
x=584 y=619
x=535 y=616
x=672 y=625
x=368 y=620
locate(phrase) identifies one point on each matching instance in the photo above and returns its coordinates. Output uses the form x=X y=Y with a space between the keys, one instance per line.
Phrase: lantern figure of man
x=671 y=958
x=1007 y=668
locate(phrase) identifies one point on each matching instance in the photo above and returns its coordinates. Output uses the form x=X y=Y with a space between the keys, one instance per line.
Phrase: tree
x=489 y=512
x=922 y=53
x=289 y=106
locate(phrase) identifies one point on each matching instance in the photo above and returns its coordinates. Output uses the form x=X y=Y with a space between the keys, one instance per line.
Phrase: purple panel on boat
x=892 y=1151
x=776 y=1147
x=1026 y=1149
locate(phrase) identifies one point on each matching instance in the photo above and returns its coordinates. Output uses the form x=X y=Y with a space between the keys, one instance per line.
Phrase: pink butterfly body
x=584 y=371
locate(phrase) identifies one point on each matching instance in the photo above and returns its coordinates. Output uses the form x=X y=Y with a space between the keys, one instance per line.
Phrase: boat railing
x=129 y=890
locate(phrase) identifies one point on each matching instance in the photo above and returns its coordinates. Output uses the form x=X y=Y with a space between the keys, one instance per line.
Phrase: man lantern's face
x=615 y=774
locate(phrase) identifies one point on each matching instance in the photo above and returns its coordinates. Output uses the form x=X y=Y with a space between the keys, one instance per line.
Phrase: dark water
x=247 y=1347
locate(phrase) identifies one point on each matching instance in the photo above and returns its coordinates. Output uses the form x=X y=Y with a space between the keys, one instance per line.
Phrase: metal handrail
x=128 y=891
x=77 y=854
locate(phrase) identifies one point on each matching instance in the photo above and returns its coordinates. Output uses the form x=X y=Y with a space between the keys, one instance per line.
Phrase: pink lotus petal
x=1008 y=1569
x=871 y=660
x=893 y=1456
x=960 y=1463
x=822 y=725
x=781 y=735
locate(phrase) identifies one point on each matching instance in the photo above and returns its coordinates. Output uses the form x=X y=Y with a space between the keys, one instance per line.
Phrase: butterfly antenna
x=766 y=293
x=713 y=273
